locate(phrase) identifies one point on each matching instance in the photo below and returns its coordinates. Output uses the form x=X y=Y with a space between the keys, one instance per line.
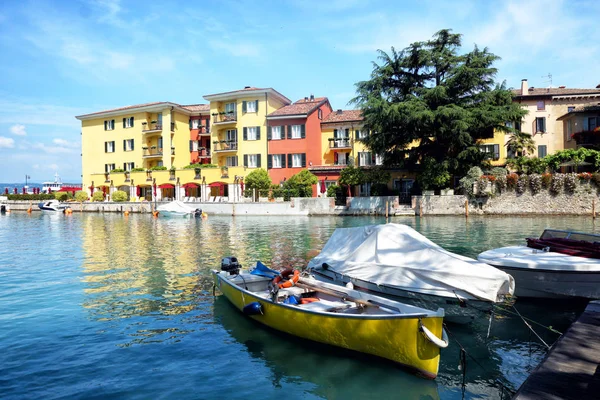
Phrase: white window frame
x=251 y=133
x=128 y=144
x=365 y=158
x=129 y=122
x=297 y=160
x=252 y=160
x=277 y=160
x=129 y=166
x=231 y=135
x=296 y=131
x=194 y=145
x=378 y=159
x=110 y=147
x=230 y=107
x=362 y=133
x=251 y=106
x=231 y=161
x=109 y=125
x=276 y=132
x=108 y=167
x=196 y=124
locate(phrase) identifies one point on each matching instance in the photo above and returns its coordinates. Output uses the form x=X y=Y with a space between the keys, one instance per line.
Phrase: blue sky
x=65 y=58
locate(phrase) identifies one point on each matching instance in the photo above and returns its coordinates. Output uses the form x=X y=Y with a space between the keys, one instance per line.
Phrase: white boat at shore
x=396 y=261
x=558 y=265
x=52 y=206
x=178 y=209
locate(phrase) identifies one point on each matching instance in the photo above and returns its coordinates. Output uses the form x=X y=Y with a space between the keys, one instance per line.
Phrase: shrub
x=596 y=178
x=118 y=170
x=258 y=179
x=81 y=196
x=498 y=171
x=570 y=183
x=558 y=182
x=501 y=182
x=98 y=196
x=138 y=169
x=482 y=183
x=585 y=176
x=535 y=183
x=289 y=193
x=332 y=190
x=194 y=166
x=119 y=196
x=22 y=197
x=61 y=196
x=522 y=184
x=511 y=180
x=158 y=168
x=466 y=182
x=546 y=180
x=379 y=189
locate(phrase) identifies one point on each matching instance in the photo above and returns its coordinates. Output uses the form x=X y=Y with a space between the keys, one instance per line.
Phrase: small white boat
x=178 y=209
x=396 y=261
x=53 y=205
x=560 y=264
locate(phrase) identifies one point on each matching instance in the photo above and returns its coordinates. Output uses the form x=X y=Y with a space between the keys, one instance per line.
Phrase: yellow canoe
x=342 y=317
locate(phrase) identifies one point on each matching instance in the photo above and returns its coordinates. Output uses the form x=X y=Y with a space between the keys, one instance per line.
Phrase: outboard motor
x=198 y=212
x=2 y=209
x=231 y=265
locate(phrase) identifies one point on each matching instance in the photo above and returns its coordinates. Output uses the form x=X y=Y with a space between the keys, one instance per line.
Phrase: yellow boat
x=340 y=316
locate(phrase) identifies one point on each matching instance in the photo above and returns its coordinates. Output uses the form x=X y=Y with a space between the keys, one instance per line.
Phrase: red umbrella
x=323 y=188
x=15 y=190
x=242 y=186
x=5 y=190
x=92 y=189
x=138 y=190
x=154 y=189
x=49 y=190
x=24 y=190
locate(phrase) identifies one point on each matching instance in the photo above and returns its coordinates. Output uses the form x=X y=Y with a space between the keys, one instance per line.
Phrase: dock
x=571 y=369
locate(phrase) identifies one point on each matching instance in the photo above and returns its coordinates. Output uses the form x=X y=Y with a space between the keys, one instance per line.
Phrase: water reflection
x=336 y=373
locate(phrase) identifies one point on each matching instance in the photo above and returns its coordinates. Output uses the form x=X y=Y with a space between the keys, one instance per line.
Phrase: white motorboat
x=53 y=205
x=560 y=264
x=396 y=261
x=178 y=209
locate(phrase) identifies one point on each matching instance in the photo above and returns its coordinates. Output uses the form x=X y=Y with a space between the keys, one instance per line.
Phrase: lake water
x=106 y=306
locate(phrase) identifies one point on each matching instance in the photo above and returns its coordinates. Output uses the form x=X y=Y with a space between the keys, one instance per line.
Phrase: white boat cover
x=176 y=207
x=398 y=256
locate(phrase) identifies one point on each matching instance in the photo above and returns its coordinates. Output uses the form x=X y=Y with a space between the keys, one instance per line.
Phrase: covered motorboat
x=179 y=209
x=395 y=260
x=560 y=264
x=335 y=315
x=52 y=205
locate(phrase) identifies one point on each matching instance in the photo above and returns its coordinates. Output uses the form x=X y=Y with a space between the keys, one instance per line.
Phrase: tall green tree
x=427 y=106
x=258 y=179
x=301 y=183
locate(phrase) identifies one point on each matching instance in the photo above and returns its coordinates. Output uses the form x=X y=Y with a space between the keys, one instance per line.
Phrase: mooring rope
x=531 y=328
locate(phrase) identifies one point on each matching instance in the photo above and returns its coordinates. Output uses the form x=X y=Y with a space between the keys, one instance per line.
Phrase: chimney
x=312 y=97
x=524 y=87
x=339 y=111
x=305 y=98
x=246 y=87
x=562 y=87
x=598 y=87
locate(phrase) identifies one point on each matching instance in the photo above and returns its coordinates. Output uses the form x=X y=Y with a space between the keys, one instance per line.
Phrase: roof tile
x=555 y=92
x=301 y=107
x=343 y=116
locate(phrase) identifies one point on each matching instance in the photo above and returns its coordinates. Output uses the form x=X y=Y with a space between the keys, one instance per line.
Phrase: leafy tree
x=81 y=196
x=61 y=196
x=526 y=165
x=376 y=174
x=258 y=179
x=577 y=157
x=302 y=183
x=119 y=195
x=351 y=176
x=520 y=143
x=427 y=106
x=98 y=196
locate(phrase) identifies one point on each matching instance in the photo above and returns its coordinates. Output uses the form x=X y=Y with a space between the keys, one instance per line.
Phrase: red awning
x=166 y=186
x=217 y=184
x=190 y=185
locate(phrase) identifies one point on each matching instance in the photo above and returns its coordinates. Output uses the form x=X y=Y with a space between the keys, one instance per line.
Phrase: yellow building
x=239 y=126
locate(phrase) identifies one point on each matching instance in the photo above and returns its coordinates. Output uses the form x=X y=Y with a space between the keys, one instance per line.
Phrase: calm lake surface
x=106 y=306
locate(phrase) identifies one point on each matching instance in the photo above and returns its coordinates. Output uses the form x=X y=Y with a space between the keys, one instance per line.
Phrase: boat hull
x=458 y=310
x=395 y=337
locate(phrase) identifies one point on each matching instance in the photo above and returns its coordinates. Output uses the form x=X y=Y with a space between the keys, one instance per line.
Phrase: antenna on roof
x=549 y=76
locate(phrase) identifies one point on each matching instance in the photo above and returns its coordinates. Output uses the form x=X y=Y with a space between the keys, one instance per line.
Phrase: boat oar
x=341 y=294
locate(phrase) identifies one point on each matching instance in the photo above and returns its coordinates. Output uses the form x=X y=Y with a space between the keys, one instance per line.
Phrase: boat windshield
x=553 y=234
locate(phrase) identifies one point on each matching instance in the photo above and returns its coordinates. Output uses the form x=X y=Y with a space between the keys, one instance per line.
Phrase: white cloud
x=6 y=143
x=44 y=148
x=236 y=48
x=66 y=143
x=18 y=130
x=16 y=109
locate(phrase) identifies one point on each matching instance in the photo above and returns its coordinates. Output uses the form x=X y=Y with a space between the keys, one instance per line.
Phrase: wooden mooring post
x=594 y=208
x=466 y=208
x=387 y=208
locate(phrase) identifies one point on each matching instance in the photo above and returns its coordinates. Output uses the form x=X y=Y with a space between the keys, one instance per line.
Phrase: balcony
x=152 y=153
x=224 y=118
x=151 y=128
x=588 y=139
x=225 y=146
x=340 y=143
x=203 y=152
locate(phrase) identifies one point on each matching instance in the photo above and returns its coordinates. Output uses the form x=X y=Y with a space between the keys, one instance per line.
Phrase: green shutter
x=258 y=133
x=302 y=131
x=245 y=160
x=132 y=144
x=132 y=121
x=356 y=133
x=124 y=122
x=245 y=133
x=347 y=133
x=191 y=145
x=289 y=131
x=269 y=161
x=124 y=145
x=106 y=147
x=256 y=107
x=243 y=106
x=269 y=132
x=282 y=159
x=289 y=160
x=190 y=123
x=258 y=161
x=303 y=160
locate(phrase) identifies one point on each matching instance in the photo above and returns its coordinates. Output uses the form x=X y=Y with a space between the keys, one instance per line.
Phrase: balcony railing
x=340 y=143
x=203 y=153
x=152 y=128
x=152 y=152
x=224 y=118
x=225 y=145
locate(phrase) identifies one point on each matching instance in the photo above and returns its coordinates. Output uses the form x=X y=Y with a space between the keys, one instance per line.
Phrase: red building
x=200 y=151
x=294 y=137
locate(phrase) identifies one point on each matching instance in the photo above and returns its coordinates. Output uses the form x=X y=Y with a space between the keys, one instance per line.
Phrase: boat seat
x=325 y=305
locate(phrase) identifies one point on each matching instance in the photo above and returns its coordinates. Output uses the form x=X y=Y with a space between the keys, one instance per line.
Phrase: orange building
x=294 y=137
x=200 y=151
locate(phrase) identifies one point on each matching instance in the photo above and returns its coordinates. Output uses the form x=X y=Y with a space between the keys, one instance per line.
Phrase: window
x=108 y=167
x=109 y=147
x=296 y=131
x=252 y=133
x=365 y=158
x=593 y=123
x=232 y=161
x=297 y=160
x=320 y=114
x=378 y=159
x=570 y=129
x=570 y=108
x=252 y=160
x=195 y=124
x=231 y=135
x=128 y=122
x=230 y=108
x=541 y=105
x=193 y=145
x=540 y=125
x=250 y=106
x=542 y=151
x=109 y=125
x=276 y=132
x=276 y=161
x=128 y=145
x=341 y=158
x=492 y=151
x=128 y=166
x=361 y=133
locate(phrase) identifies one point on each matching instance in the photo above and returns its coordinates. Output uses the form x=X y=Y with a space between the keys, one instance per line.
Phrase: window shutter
x=112 y=124
x=269 y=161
x=124 y=145
x=245 y=133
x=258 y=161
x=191 y=145
x=106 y=147
x=256 y=107
x=303 y=160
x=543 y=124
x=289 y=161
x=335 y=133
x=124 y=166
x=105 y=124
x=302 y=131
x=281 y=159
x=496 y=152
x=347 y=133
x=132 y=122
x=373 y=158
x=132 y=144
x=269 y=132
x=356 y=133
x=190 y=123
x=124 y=122
x=245 y=160
x=289 y=131
x=258 y=133
x=243 y=106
